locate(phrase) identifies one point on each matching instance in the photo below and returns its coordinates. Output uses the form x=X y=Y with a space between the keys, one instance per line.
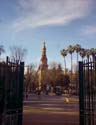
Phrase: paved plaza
x=51 y=110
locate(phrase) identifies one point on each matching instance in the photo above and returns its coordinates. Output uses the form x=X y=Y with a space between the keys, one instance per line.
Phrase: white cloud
x=49 y=12
x=89 y=30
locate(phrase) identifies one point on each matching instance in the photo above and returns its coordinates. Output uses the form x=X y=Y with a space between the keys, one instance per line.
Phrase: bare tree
x=53 y=65
x=17 y=53
x=31 y=80
x=2 y=50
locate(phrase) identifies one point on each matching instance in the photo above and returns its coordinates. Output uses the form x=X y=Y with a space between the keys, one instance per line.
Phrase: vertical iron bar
x=88 y=94
x=81 y=94
x=85 y=91
x=95 y=90
x=92 y=91
x=21 y=80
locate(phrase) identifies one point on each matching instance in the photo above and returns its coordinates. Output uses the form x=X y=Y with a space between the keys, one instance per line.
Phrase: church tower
x=43 y=67
x=43 y=61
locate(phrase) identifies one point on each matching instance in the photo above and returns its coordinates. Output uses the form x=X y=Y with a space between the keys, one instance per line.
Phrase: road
x=51 y=110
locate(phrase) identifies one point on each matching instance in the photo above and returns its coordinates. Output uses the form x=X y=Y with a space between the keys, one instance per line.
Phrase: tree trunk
x=71 y=71
x=65 y=65
x=77 y=82
x=71 y=65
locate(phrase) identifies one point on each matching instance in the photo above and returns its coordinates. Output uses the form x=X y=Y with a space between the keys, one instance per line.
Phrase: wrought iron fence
x=11 y=92
x=87 y=92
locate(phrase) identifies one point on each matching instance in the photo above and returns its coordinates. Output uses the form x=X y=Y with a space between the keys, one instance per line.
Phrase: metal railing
x=87 y=92
x=11 y=92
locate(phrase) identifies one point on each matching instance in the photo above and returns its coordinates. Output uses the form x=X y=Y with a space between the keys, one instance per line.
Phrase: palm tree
x=88 y=53
x=64 y=54
x=71 y=50
x=1 y=49
x=77 y=48
x=93 y=53
x=82 y=53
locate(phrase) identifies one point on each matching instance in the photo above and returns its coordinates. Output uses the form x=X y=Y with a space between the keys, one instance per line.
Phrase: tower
x=43 y=61
x=43 y=67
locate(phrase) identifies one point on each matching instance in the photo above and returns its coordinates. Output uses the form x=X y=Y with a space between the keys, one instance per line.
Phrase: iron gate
x=87 y=92
x=11 y=93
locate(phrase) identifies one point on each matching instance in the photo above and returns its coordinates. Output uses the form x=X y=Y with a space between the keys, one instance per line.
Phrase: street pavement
x=51 y=110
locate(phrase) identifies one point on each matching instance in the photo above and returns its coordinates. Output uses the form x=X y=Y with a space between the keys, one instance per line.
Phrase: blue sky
x=57 y=22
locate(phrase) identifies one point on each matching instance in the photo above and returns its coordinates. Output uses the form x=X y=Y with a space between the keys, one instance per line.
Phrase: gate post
x=81 y=94
x=21 y=80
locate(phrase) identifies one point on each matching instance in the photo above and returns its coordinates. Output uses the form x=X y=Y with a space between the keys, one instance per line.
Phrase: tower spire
x=44 y=43
x=44 y=50
x=43 y=60
x=43 y=67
